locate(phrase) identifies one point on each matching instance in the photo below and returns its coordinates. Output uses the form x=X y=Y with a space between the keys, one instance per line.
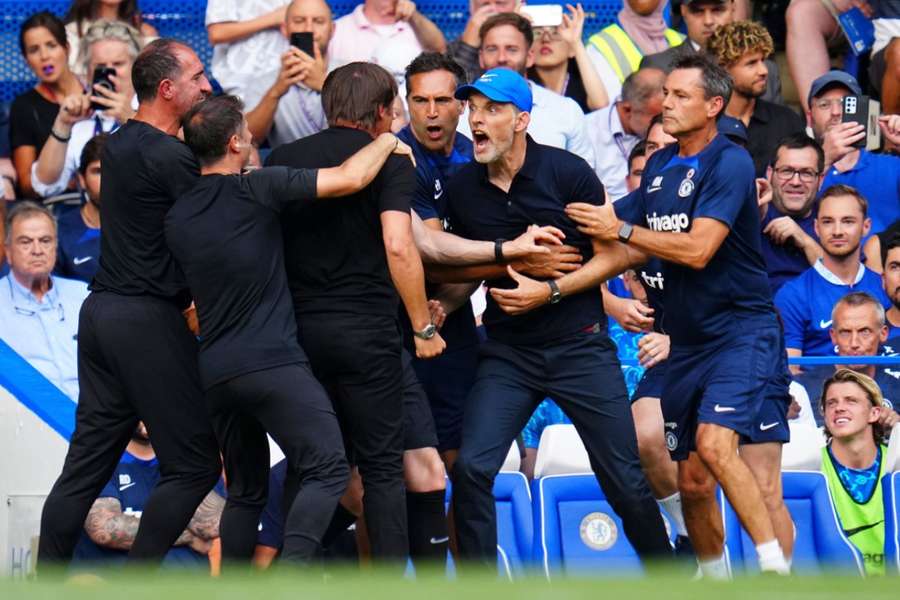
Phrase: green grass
x=379 y=586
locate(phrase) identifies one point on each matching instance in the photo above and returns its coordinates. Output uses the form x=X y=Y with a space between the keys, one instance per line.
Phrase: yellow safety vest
x=620 y=52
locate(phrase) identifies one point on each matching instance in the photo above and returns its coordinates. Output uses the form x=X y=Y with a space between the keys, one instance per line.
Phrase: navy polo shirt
x=731 y=294
x=549 y=179
x=877 y=178
x=433 y=171
x=78 y=248
x=785 y=262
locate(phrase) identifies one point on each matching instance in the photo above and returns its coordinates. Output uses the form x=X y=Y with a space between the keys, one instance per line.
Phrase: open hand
x=526 y=296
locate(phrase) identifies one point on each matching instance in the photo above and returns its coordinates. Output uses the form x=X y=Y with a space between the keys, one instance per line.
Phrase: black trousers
x=137 y=360
x=357 y=358
x=288 y=403
x=582 y=374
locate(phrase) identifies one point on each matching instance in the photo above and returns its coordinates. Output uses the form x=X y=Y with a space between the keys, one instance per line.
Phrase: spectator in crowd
x=291 y=107
x=742 y=48
x=891 y=280
x=617 y=49
x=464 y=49
x=884 y=67
x=7 y=170
x=657 y=137
x=42 y=39
x=561 y=63
x=106 y=44
x=701 y=18
x=79 y=227
x=507 y=40
x=787 y=209
x=806 y=302
x=39 y=311
x=84 y=13
x=874 y=248
x=858 y=329
x=637 y=158
x=853 y=461
x=389 y=33
x=114 y=518
x=246 y=38
x=875 y=176
x=616 y=129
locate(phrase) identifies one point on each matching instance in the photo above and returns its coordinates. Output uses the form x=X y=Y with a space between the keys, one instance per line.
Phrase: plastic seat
x=513 y=459
x=804 y=452
x=560 y=452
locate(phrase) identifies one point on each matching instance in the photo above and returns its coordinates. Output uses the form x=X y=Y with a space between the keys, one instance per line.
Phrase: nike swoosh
x=767 y=426
x=855 y=530
x=723 y=409
x=122 y=488
x=654 y=189
x=438 y=195
x=442 y=540
x=824 y=324
x=81 y=261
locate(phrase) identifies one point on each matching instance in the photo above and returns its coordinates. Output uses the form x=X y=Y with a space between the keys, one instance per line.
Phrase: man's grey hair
x=26 y=210
x=642 y=86
x=109 y=30
x=859 y=299
x=716 y=81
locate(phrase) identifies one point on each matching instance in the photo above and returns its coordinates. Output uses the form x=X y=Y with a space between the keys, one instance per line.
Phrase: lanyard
x=98 y=126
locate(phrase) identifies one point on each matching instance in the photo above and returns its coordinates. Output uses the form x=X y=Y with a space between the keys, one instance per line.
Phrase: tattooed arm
x=109 y=527
x=205 y=522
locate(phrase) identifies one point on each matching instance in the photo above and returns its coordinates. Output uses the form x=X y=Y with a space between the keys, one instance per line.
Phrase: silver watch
x=427 y=333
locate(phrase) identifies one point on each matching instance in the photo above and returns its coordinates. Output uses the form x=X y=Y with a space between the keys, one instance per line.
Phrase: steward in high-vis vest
x=622 y=54
x=853 y=461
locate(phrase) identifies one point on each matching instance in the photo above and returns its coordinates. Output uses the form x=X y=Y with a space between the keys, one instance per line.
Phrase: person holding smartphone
x=287 y=104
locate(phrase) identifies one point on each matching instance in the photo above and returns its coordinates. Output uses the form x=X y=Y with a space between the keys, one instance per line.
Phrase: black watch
x=625 y=232
x=427 y=333
x=555 y=295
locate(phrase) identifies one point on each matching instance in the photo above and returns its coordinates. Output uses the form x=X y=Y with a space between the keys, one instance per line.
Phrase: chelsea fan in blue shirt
x=79 y=228
x=727 y=379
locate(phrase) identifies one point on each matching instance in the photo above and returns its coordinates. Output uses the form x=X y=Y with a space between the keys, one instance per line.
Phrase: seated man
x=39 y=312
x=79 y=227
x=858 y=329
x=806 y=302
x=114 y=518
x=853 y=461
x=787 y=210
x=891 y=280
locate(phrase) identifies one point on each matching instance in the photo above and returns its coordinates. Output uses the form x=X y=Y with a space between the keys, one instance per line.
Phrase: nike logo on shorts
x=442 y=540
x=723 y=409
x=767 y=426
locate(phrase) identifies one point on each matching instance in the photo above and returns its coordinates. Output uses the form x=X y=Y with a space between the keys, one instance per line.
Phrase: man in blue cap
x=560 y=349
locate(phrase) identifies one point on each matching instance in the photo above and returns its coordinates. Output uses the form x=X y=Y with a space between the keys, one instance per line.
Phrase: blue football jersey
x=78 y=247
x=718 y=183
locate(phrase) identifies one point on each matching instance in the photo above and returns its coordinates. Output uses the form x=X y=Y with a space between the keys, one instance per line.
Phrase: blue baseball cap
x=733 y=129
x=500 y=85
x=830 y=79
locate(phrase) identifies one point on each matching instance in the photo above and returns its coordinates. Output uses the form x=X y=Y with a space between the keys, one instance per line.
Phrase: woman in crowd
x=42 y=39
x=561 y=62
x=85 y=12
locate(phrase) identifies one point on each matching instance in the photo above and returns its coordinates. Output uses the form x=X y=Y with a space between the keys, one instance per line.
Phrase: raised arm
x=359 y=170
x=233 y=31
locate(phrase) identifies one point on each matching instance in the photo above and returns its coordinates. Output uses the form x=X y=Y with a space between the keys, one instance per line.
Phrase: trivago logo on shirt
x=677 y=222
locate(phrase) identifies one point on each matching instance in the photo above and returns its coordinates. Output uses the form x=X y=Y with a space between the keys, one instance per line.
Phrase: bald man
x=290 y=107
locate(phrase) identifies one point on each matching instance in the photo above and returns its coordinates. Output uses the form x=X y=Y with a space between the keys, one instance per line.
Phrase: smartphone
x=543 y=15
x=102 y=78
x=303 y=41
x=865 y=111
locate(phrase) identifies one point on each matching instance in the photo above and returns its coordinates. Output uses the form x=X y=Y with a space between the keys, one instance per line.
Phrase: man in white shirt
x=506 y=41
x=245 y=39
x=39 y=312
x=614 y=130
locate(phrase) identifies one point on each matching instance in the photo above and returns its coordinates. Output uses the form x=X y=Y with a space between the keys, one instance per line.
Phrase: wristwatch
x=427 y=333
x=555 y=295
x=625 y=232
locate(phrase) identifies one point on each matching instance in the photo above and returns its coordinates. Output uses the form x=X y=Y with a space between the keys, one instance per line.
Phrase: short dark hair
x=522 y=24
x=639 y=150
x=47 y=20
x=156 y=62
x=715 y=79
x=657 y=120
x=92 y=151
x=892 y=242
x=356 y=91
x=845 y=190
x=210 y=124
x=434 y=61
x=801 y=141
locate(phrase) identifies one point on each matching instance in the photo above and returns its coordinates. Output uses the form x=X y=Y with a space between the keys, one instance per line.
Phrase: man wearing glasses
x=787 y=209
x=39 y=312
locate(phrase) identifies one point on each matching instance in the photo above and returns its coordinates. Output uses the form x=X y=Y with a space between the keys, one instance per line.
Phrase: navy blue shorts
x=418 y=424
x=739 y=383
x=652 y=382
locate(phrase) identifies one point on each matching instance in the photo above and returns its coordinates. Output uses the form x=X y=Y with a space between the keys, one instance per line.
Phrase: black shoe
x=683 y=548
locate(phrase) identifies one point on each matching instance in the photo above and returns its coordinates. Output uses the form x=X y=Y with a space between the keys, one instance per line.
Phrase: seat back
x=515 y=523
x=804 y=451
x=892 y=457
x=513 y=459
x=890 y=489
x=560 y=452
x=820 y=545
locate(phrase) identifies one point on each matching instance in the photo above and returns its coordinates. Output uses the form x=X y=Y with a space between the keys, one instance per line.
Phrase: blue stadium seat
x=578 y=533
x=890 y=487
x=820 y=546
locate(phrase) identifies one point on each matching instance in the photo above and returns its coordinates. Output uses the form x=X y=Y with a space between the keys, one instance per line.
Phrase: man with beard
x=787 y=209
x=137 y=359
x=890 y=277
x=742 y=48
x=806 y=302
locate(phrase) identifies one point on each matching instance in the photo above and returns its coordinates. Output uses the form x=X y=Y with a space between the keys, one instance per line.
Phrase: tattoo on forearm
x=109 y=527
x=205 y=522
